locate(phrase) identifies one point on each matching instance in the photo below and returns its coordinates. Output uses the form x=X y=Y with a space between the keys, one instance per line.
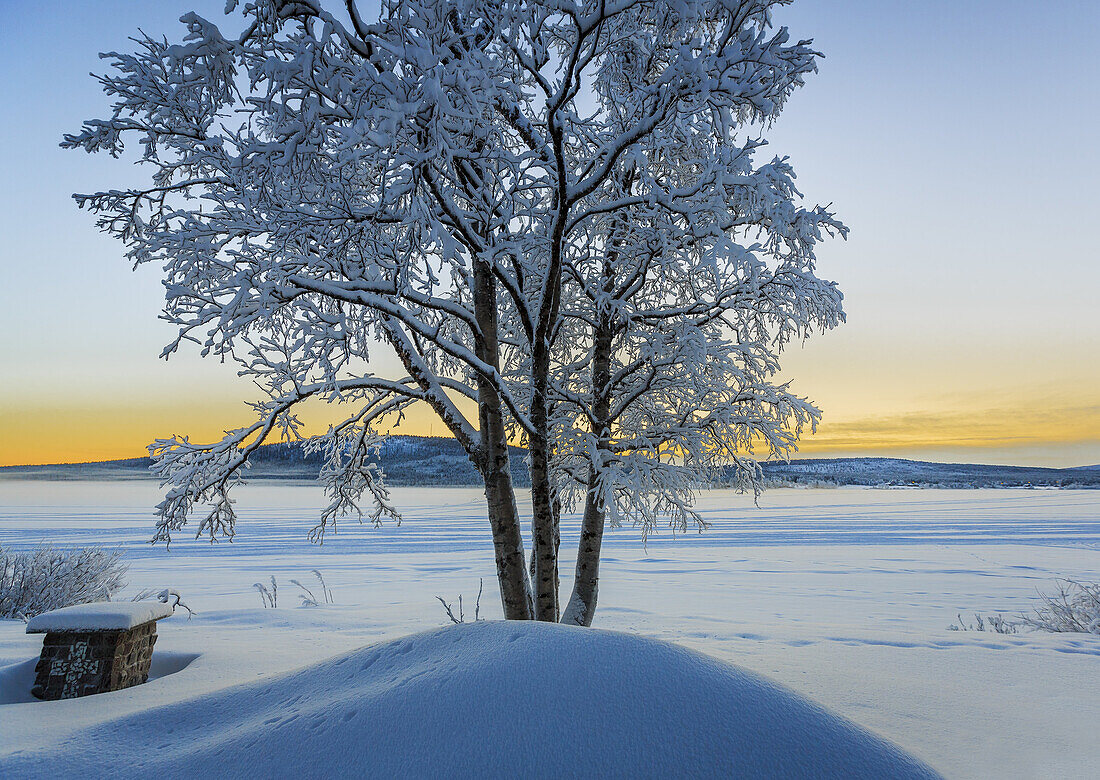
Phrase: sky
x=955 y=139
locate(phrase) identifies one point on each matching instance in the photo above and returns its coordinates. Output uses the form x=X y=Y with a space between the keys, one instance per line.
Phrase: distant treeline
x=896 y=472
x=406 y=461
x=424 y=460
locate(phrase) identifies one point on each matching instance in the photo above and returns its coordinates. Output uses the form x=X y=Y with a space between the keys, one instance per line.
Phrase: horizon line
x=796 y=457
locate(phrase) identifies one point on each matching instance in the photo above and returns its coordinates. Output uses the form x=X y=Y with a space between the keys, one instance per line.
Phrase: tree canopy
x=551 y=210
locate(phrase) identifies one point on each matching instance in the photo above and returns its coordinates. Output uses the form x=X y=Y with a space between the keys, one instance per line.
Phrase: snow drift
x=99 y=616
x=489 y=699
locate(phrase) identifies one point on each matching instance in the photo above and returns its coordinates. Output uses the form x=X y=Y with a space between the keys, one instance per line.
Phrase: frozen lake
x=843 y=594
x=937 y=551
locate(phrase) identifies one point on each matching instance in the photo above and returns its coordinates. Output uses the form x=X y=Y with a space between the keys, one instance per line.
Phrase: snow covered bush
x=46 y=578
x=1075 y=607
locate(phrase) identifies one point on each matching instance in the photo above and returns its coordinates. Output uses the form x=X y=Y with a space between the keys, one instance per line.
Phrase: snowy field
x=843 y=595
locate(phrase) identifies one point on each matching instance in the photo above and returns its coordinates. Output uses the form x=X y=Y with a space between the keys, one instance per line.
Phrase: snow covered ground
x=843 y=595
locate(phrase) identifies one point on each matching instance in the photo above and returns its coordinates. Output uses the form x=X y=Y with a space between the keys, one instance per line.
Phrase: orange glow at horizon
x=43 y=435
x=1068 y=435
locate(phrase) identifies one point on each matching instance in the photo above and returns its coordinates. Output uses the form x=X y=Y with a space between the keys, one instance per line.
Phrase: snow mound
x=489 y=699
x=99 y=616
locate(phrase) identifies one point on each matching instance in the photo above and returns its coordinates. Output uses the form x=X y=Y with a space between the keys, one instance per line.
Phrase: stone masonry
x=80 y=663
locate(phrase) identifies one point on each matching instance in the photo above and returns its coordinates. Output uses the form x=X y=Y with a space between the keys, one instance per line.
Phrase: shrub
x=1075 y=607
x=995 y=623
x=47 y=578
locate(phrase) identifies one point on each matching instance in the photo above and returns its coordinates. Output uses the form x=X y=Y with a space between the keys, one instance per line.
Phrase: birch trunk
x=495 y=463
x=544 y=526
x=582 y=603
x=544 y=517
x=515 y=589
x=586 y=583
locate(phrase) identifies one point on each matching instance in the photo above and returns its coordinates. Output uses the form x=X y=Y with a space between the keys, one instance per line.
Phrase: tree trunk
x=544 y=526
x=582 y=603
x=586 y=583
x=500 y=498
x=544 y=518
x=495 y=465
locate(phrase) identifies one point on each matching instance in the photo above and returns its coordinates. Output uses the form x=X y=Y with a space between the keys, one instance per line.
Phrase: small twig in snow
x=168 y=593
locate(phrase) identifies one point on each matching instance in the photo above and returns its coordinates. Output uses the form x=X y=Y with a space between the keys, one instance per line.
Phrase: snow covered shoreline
x=842 y=595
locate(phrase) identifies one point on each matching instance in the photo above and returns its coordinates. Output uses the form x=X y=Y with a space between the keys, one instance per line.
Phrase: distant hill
x=406 y=460
x=423 y=460
x=898 y=472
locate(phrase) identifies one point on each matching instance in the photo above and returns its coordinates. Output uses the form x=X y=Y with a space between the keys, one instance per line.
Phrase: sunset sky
x=957 y=141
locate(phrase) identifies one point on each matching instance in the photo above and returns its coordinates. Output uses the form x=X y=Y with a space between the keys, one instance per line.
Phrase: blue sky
x=955 y=138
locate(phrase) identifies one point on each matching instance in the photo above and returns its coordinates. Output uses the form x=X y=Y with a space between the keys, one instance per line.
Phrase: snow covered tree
x=679 y=268
x=490 y=191
x=667 y=376
x=321 y=192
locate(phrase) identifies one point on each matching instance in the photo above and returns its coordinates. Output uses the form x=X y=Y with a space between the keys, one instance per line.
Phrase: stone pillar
x=80 y=663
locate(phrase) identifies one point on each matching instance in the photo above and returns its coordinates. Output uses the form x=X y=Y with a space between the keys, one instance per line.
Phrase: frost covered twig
x=461 y=618
x=308 y=600
x=270 y=596
x=324 y=588
x=998 y=624
x=167 y=594
x=265 y=595
x=450 y=614
x=164 y=595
